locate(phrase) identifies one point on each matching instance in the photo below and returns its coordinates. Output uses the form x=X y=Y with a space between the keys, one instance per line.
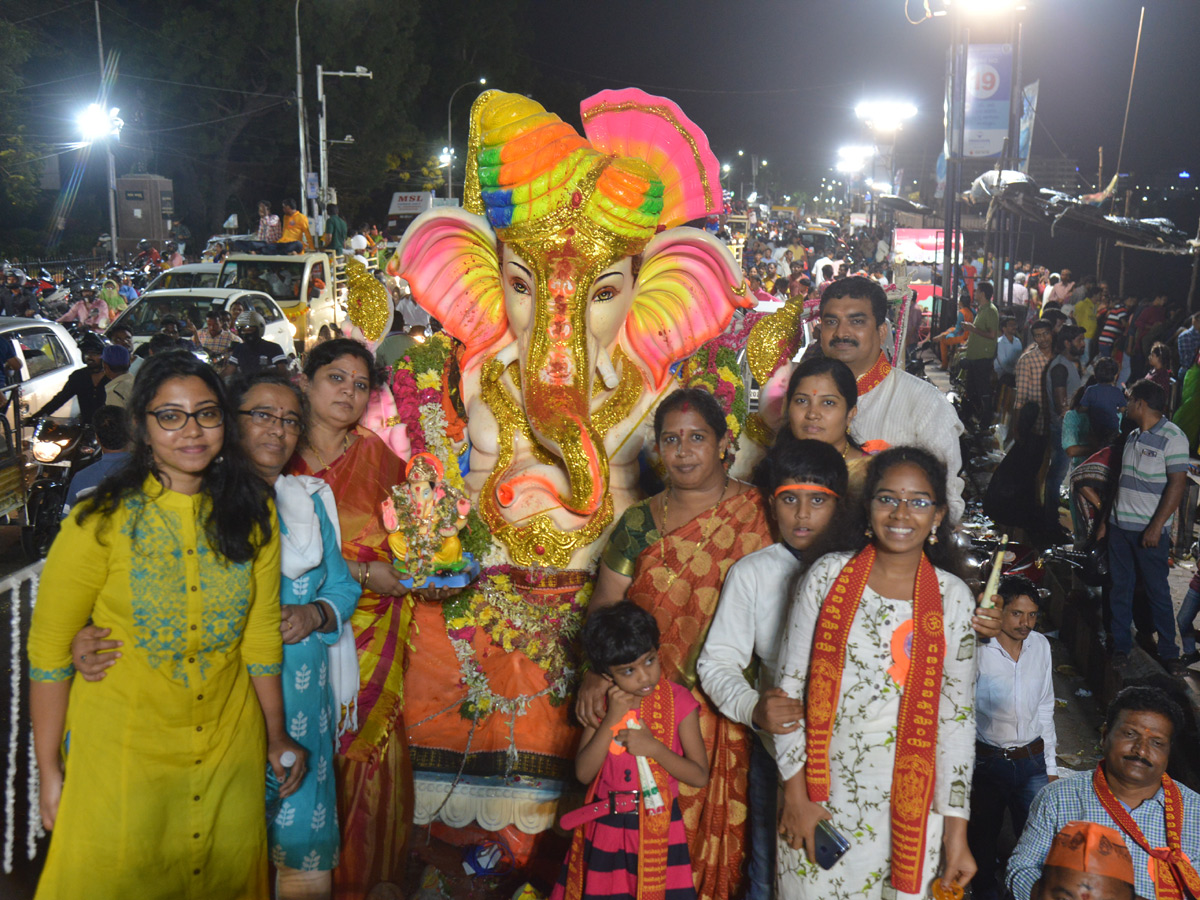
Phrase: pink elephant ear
x=448 y=257
x=630 y=122
x=687 y=290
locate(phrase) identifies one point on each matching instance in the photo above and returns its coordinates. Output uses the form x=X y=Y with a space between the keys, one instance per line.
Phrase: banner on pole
x=1029 y=96
x=989 y=93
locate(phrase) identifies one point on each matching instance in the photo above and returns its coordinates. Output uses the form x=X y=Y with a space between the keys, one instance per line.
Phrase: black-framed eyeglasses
x=175 y=419
x=291 y=424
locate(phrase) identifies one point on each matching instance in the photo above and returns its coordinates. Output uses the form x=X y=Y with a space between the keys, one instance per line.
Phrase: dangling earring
x=932 y=539
x=220 y=459
x=869 y=533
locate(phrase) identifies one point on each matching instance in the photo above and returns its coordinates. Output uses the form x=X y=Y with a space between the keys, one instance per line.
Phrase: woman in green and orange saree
x=375 y=787
x=669 y=554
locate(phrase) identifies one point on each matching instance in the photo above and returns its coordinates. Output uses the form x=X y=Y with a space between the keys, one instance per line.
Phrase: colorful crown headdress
x=643 y=166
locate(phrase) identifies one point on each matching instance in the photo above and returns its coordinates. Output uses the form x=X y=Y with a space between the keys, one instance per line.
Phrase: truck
x=309 y=288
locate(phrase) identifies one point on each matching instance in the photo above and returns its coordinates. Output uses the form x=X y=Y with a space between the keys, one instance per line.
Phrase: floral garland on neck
x=545 y=634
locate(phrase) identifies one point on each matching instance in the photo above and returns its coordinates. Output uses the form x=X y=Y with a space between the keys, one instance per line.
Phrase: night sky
x=781 y=79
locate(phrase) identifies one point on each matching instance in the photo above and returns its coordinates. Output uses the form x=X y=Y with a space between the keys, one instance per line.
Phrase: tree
x=20 y=157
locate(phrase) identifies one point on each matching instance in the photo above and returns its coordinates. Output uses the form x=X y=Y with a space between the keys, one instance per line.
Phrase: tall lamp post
x=449 y=134
x=98 y=124
x=359 y=72
x=885 y=117
x=300 y=114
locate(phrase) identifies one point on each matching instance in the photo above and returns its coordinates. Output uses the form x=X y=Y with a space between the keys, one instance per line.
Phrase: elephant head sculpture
x=570 y=298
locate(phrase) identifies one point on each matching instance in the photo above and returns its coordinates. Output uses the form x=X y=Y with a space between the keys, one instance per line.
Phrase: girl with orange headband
x=804 y=485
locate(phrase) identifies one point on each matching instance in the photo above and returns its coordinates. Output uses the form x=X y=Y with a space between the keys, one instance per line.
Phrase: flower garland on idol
x=492 y=605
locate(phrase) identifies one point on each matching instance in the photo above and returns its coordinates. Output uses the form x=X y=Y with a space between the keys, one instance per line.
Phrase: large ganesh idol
x=572 y=293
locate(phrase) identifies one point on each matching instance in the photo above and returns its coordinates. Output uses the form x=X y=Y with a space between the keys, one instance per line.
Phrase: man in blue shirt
x=1130 y=792
x=109 y=422
x=1188 y=344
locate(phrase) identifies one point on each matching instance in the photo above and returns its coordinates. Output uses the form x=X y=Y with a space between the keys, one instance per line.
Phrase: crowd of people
x=1085 y=386
x=218 y=647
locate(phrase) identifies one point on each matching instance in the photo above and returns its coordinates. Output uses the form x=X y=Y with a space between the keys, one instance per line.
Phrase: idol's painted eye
x=519 y=285
x=604 y=294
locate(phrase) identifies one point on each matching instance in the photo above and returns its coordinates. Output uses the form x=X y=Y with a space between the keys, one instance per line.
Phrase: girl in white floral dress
x=880 y=646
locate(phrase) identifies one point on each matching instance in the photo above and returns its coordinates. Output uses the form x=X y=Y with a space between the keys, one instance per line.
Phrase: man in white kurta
x=893 y=406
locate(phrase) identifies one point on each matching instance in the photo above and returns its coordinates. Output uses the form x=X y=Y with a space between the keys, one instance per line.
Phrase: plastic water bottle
x=287 y=759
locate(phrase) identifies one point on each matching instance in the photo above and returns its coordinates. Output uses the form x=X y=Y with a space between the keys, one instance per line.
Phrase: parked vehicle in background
x=302 y=285
x=188 y=275
x=60 y=448
x=48 y=355
x=144 y=316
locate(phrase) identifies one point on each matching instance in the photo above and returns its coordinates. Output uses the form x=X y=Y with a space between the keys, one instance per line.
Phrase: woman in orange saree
x=669 y=554
x=375 y=788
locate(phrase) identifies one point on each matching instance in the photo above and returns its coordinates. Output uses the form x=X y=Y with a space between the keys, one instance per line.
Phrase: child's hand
x=639 y=741
x=777 y=713
x=619 y=703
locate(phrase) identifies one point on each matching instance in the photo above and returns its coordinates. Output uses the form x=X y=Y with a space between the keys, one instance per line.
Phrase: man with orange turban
x=1086 y=862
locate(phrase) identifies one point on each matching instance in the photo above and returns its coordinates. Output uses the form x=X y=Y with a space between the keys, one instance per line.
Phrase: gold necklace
x=321 y=459
x=705 y=533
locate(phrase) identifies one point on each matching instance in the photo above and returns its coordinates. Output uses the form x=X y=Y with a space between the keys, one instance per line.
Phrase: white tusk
x=604 y=366
x=508 y=355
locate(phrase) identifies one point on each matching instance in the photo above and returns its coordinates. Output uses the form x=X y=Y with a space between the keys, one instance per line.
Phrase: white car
x=48 y=355
x=189 y=275
x=144 y=316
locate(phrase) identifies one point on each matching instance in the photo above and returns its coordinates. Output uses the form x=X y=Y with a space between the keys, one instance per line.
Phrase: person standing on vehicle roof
x=336 y=230
x=255 y=352
x=87 y=385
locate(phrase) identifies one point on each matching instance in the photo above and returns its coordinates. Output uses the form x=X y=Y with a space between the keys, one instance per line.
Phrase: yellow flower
x=429 y=380
x=723 y=371
x=458 y=622
x=732 y=422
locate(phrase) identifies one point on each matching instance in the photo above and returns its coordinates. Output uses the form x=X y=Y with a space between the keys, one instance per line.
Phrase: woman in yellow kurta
x=158 y=792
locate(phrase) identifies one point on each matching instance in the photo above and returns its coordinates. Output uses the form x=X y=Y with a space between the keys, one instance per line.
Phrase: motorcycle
x=59 y=448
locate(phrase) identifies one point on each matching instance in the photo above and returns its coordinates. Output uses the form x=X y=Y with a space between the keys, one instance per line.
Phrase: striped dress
x=610 y=847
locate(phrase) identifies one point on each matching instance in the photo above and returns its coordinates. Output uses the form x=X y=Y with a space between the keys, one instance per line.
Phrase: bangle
x=324 y=615
x=362 y=579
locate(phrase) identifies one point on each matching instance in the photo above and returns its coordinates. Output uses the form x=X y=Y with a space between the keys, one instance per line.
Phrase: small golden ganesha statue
x=423 y=517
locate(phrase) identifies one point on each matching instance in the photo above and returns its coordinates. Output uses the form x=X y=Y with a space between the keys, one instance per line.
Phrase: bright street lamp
x=97 y=125
x=984 y=7
x=449 y=132
x=885 y=115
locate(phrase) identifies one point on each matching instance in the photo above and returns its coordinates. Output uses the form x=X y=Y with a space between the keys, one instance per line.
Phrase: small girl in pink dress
x=647 y=743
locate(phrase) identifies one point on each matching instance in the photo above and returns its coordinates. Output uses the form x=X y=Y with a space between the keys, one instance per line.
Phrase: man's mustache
x=839 y=342
x=1138 y=759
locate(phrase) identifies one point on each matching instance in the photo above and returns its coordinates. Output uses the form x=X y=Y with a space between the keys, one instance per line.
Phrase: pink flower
x=462 y=634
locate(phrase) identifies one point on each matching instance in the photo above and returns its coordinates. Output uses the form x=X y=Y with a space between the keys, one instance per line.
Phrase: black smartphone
x=830 y=846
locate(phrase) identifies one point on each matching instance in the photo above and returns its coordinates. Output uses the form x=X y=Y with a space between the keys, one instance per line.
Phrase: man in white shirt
x=893 y=406
x=1014 y=725
x=1020 y=293
x=818 y=272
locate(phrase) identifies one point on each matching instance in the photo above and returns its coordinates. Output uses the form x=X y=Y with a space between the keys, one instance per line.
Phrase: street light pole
x=300 y=115
x=323 y=142
x=112 y=165
x=449 y=135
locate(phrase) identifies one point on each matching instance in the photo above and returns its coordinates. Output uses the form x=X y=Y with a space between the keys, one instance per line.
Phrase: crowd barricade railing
x=21 y=819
